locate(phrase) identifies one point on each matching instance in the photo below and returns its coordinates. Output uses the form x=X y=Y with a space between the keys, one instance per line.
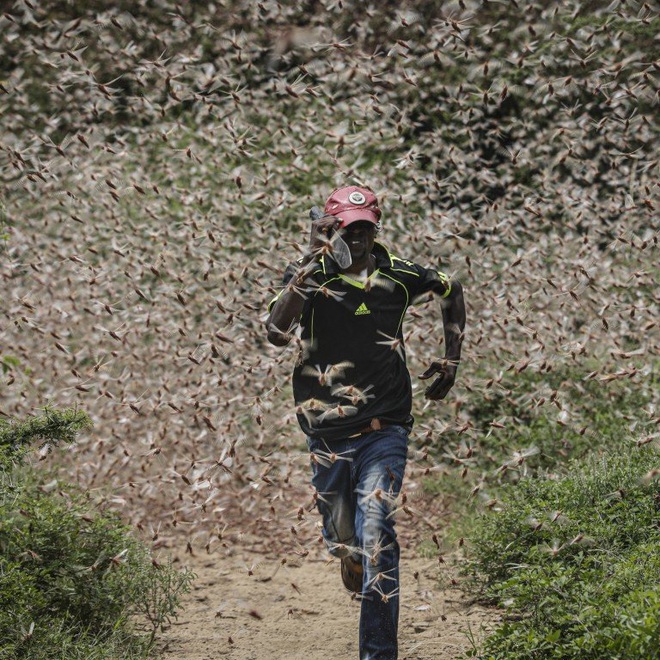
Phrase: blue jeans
x=357 y=481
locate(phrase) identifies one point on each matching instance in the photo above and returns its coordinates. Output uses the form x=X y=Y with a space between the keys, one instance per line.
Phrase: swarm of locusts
x=157 y=169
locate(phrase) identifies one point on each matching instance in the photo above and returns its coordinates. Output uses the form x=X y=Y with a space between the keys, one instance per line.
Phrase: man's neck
x=368 y=264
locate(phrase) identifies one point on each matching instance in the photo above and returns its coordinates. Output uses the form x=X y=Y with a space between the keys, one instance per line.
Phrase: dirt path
x=299 y=611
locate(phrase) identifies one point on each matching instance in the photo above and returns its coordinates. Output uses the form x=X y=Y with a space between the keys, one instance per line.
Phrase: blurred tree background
x=157 y=164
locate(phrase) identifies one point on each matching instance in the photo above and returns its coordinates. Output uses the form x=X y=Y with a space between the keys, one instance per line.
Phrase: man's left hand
x=440 y=387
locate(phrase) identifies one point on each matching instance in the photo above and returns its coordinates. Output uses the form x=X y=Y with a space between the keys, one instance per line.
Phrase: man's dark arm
x=453 y=319
x=285 y=314
x=287 y=309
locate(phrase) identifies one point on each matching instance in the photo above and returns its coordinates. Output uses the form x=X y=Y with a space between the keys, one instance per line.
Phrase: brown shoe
x=351 y=574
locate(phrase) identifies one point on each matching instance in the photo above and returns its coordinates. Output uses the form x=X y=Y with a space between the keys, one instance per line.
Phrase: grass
x=575 y=560
x=568 y=541
x=74 y=580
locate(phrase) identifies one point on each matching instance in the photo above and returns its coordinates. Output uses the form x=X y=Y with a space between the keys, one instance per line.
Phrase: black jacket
x=352 y=367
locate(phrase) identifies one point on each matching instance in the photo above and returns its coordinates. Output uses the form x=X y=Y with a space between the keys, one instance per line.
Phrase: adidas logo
x=362 y=309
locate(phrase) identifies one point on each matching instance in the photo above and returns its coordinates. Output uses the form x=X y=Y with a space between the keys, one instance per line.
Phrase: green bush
x=74 y=582
x=576 y=561
x=51 y=428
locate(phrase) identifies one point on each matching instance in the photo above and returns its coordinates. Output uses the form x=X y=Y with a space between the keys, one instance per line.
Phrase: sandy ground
x=247 y=607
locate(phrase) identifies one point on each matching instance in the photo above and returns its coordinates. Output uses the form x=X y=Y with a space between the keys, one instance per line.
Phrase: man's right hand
x=321 y=231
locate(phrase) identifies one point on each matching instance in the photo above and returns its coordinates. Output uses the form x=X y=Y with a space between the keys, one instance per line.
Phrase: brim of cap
x=355 y=215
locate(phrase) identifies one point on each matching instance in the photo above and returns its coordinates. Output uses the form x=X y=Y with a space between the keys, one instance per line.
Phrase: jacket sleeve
x=435 y=281
x=286 y=278
x=420 y=280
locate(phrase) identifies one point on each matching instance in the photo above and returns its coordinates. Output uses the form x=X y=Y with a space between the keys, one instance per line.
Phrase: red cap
x=352 y=204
